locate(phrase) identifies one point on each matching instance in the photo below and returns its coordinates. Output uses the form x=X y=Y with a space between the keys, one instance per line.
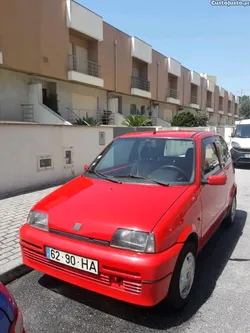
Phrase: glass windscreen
x=167 y=160
x=242 y=131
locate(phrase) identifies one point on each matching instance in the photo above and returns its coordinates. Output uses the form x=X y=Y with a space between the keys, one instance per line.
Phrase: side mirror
x=216 y=180
x=85 y=167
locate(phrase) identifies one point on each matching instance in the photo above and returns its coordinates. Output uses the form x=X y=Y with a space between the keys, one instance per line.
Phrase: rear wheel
x=183 y=278
x=230 y=219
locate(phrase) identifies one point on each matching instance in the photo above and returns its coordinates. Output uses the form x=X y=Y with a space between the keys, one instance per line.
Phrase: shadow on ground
x=210 y=264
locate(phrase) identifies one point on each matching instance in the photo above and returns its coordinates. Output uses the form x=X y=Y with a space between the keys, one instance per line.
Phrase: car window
x=168 y=160
x=118 y=154
x=177 y=147
x=210 y=158
x=224 y=151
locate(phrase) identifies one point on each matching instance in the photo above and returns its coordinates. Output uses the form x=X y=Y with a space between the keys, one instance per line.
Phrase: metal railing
x=84 y=66
x=139 y=83
x=229 y=110
x=194 y=100
x=105 y=117
x=209 y=104
x=173 y=93
x=220 y=107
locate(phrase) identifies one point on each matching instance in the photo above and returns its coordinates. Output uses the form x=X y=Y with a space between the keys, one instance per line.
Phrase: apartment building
x=60 y=61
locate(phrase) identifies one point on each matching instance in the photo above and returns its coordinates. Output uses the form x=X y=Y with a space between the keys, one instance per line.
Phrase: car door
x=226 y=164
x=212 y=197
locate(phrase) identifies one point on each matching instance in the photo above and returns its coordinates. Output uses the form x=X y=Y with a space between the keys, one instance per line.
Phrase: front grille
x=116 y=282
x=101 y=278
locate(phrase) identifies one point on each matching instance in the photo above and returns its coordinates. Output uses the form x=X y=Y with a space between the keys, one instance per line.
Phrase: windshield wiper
x=101 y=175
x=145 y=178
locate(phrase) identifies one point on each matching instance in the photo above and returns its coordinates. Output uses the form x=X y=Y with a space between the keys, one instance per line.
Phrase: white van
x=240 y=142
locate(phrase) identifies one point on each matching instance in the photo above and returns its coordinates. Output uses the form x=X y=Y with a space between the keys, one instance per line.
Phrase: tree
x=202 y=119
x=184 y=119
x=244 y=112
x=243 y=98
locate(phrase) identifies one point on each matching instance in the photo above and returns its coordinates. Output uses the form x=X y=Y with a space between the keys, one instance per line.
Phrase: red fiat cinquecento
x=131 y=226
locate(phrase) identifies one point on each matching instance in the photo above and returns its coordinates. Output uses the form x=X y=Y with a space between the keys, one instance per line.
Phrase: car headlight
x=134 y=240
x=235 y=144
x=38 y=220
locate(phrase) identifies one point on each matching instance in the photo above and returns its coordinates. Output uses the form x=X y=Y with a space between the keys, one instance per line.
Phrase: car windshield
x=141 y=159
x=242 y=131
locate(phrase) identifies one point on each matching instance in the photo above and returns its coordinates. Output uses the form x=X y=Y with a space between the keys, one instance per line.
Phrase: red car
x=132 y=225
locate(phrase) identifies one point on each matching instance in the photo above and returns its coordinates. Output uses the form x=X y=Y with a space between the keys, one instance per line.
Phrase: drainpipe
x=157 y=83
x=115 y=43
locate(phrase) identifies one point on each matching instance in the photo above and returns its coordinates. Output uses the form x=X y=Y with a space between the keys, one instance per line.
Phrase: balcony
x=83 y=20
x=194 y=102
x=84 y=71
x=209 y=106
x=173 y=96
x=222 y=91
x=141 y=50
x=195 y=78
x=140 y=87
x=221 y=109
x=210 y=86
x=174 y=67
x=229 y=112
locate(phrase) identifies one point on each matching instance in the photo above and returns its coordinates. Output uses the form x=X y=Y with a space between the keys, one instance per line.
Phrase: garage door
x=84 y=104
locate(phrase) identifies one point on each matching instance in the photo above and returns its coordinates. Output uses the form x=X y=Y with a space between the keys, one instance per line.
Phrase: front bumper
x=240 y=155
x=141 y=279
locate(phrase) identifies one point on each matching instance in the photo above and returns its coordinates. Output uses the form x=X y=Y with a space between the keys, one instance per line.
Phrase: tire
x=178 y=296
x=230 y=219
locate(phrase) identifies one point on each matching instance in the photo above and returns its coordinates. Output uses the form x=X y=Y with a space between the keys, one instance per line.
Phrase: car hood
x=102 y=206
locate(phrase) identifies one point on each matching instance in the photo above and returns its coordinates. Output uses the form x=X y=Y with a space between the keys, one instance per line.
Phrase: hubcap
x=233 y=209
x=187 y=275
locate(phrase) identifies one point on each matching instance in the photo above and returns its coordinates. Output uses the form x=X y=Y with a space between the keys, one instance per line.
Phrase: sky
x=205 y=38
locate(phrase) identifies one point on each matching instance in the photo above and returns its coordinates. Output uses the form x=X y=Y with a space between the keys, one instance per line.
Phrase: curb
x=14 y=271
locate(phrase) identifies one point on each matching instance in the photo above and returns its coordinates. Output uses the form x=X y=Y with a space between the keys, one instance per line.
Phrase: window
x=224 y=151
x=210 y=159
x=177 y=147
x=242 y=131
x=143 y=109
x=144 y=157
x=117 y=155
x=132 y=109
x=44 y=162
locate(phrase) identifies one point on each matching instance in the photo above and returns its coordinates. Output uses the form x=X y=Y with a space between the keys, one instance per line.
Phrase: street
x=219 y=303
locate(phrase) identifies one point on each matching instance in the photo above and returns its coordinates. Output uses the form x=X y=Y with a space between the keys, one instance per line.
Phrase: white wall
x=65 y=91
x=20 y=145
x=13 y=92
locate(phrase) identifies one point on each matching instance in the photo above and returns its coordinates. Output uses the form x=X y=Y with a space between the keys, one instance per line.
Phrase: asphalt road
x=220 y=301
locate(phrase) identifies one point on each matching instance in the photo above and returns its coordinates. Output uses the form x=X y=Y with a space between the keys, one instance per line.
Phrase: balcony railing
x=209 y=104
x=194 y=100
x=220 y=107
x=84 y=66
x=173 y=93
x=139 y=83
x=229 y=110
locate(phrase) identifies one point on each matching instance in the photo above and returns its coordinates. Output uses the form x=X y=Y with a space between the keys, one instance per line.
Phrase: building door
x=82 y=59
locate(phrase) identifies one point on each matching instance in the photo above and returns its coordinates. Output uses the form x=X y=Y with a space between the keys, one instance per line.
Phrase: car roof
x=185 y=134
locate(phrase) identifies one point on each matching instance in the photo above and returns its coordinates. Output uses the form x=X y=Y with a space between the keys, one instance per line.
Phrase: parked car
x=131 y=226
x=240 y=143
x=11 y=319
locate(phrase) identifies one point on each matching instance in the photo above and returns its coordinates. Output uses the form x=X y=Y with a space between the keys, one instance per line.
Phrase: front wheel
x=183 y=277
x=230 y=219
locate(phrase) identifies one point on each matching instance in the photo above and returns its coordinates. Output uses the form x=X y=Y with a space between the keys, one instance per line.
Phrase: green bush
x=136 y=120
x=188 y=119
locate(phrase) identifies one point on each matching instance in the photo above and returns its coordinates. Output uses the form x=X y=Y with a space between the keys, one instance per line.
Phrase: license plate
x=247 y=155
x=72 y=260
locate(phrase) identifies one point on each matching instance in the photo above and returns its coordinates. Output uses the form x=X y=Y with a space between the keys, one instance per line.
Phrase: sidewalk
x=13 y=213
